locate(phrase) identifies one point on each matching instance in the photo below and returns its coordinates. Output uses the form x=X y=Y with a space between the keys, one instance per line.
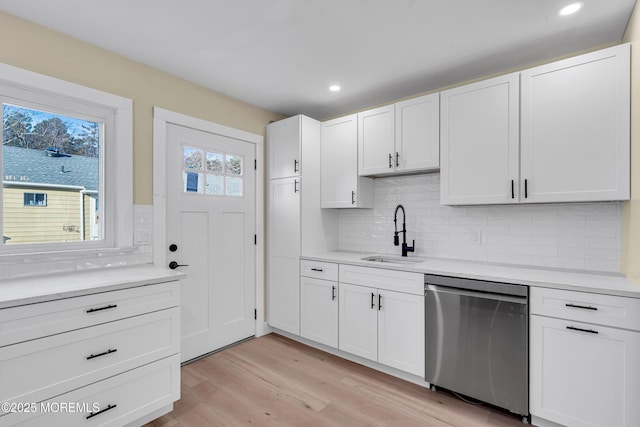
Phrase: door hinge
x=255 y=239
x=255 y=314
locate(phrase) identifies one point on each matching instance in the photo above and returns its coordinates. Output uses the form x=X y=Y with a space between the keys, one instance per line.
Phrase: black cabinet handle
x=379 y=302
x=295 y=165
x=106 y=307
x=104 y=353
x=397 y=159
x=295 y=186
x=526 y=189
x=333 y=293
x=353 y=197
x=317 y=269
x=373 y=304
x=573 y=328
x=584 y=307
x=513 y=192
x=108 y=408
x=390 y=166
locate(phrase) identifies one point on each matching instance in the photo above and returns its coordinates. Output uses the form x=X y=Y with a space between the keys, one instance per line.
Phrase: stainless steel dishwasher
x=476 y=340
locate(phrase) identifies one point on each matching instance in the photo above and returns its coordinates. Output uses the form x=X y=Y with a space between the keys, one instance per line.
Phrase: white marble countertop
x=603 y=283
x=33 y=289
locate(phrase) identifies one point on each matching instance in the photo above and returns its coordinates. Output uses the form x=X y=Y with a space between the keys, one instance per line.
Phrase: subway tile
x=576 y=236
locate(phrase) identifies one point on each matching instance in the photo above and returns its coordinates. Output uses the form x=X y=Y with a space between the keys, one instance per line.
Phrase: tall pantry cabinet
x=295 y=223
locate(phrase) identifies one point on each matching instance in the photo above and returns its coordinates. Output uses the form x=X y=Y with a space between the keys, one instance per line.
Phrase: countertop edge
x=571 y=280
x=36 y=289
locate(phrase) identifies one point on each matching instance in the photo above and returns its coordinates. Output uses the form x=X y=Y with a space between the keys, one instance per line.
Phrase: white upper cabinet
x=284 y=137
x=376 y=141
x=340 y=185
x=555 y=133
x=400 y=138
x=479 y=142
x=575 y=118
x=418 y=134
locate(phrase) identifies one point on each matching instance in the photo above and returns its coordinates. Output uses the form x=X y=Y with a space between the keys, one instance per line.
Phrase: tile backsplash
x=583 y=236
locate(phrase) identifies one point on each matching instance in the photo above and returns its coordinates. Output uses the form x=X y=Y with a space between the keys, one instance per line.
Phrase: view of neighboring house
x=49 y=198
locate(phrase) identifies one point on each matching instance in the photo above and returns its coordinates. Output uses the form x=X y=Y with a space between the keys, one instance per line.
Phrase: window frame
x=33 y=90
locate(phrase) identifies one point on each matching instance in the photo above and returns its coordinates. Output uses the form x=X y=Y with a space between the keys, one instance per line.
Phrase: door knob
x=173 y=265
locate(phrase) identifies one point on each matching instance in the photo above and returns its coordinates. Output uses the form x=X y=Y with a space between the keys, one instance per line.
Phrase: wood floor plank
x=274 y=381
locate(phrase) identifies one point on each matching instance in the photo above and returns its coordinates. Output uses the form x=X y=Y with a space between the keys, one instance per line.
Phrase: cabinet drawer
x=27 y=322
x=401 y=281
x=135 y=394
x=39 y=369
x=319 y=270
x=608 y=310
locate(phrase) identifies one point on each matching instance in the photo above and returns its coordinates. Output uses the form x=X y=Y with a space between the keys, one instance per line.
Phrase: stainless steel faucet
x=396 y=240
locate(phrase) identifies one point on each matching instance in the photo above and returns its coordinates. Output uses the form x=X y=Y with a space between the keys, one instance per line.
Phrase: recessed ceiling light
x=570 y=9
x=334 y=88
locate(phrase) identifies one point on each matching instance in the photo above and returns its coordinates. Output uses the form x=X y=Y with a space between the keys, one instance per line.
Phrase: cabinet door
x=418 y=133
x=283 y=254
x=401 y=331
x=376 y=141
x=340 y=186
x=581 y=378
x=575 y=128
x=319 y=310
x=358 y=321
x=283 y=144
x=479 y=127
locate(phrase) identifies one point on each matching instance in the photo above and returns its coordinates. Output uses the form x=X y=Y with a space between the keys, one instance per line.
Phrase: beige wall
x=33 y=47
x=631 y=210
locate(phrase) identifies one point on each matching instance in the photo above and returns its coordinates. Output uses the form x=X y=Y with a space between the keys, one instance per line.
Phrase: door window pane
x=234 y=186
x=234 y=165
x=192 y=158
x=215 y=185
x=215 y=162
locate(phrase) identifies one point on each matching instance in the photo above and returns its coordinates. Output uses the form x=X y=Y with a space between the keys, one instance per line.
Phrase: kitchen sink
x=393 y=259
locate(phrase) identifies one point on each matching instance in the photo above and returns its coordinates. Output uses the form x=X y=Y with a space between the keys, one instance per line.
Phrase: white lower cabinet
x=107 y=358
x=583 y=374
x=358 y=321
x=380 y=324
x=319 y=310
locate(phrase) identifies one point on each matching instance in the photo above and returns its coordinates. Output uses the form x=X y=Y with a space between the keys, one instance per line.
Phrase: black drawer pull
x=573 y=328
x=106 y=307
x=373 y=304
x=584 y=307
x=108 y=408
x=93 y=356
x=333 y=293
x=379 y=302
x=317 y=269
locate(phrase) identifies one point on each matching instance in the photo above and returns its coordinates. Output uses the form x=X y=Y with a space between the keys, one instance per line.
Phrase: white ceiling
x=282 y=55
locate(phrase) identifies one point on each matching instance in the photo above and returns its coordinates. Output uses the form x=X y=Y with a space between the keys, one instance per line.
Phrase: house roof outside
x=24 y=166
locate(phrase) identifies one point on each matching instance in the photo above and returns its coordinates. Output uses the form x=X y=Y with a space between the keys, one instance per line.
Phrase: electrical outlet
x=476 y=237
x=367 y=233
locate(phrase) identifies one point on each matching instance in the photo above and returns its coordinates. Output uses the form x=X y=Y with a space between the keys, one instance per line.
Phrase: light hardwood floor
x=274 y=381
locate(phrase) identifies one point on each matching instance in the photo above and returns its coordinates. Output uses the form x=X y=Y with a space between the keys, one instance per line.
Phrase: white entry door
x=210 y=234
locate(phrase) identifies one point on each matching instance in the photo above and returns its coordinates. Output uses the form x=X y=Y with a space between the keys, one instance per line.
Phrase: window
x=212 y=173
x=65 y=147
x=35 y=199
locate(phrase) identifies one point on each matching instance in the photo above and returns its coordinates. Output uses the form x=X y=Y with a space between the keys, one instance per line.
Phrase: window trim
x=117 y=160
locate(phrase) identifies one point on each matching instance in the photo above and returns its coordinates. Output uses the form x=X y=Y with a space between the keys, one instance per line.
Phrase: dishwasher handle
x=474 y=294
